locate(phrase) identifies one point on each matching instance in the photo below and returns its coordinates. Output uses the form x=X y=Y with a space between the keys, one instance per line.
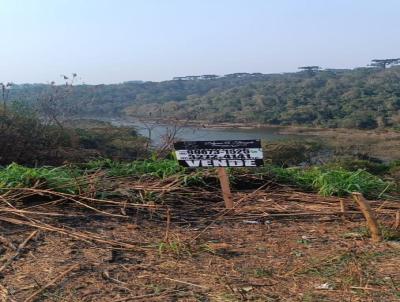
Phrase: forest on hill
x=364 y=98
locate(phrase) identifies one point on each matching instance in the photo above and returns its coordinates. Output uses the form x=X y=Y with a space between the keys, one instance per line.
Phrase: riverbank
x=203 y=123
x=380 y=143
x=314 y=130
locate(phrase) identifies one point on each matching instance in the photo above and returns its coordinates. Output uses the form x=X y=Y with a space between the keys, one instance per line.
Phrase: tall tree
x=311 y=70
x=5 y=90
x=383 y=63
x=209 y=76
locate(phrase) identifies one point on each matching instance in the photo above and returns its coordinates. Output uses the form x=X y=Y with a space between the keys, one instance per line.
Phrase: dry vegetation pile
x=151 y=239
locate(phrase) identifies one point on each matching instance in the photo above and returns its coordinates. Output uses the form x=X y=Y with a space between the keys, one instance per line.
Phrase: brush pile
x=106 y=238
x=165 y=200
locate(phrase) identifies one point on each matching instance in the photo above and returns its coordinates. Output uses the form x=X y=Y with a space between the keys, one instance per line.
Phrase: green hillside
x=364 y=98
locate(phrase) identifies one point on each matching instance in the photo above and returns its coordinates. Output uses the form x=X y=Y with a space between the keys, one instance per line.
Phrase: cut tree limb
x=342 y=208
x=369 y=216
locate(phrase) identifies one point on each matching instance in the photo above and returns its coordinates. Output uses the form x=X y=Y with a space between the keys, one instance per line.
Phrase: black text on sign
x=234 y=153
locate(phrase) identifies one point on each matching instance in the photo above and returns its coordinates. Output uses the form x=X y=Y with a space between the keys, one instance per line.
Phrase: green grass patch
x=341 y=182
x=157 y=168
x=328 y=182
x=323 y=180
x=61 y=179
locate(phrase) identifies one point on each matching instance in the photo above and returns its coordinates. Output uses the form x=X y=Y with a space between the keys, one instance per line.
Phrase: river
x=202 y=133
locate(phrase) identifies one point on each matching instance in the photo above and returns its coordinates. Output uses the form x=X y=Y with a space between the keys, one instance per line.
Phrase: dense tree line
x=363 y=97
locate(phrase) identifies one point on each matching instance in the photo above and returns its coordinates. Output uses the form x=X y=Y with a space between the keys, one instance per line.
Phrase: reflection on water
x=201 y=133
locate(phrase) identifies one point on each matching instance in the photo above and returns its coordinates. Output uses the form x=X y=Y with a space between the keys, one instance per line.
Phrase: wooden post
x=225 y=187
x=342 y=208
x=369 y=216
x=397 y=220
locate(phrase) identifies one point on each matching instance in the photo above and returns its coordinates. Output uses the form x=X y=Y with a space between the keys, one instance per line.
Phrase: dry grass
x=278 y=245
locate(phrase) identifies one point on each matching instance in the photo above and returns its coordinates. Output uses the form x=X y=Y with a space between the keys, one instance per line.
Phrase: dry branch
x=369 y=216
x=190 y=205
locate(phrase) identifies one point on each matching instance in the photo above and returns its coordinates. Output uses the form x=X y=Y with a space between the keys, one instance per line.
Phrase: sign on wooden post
x=220 y=154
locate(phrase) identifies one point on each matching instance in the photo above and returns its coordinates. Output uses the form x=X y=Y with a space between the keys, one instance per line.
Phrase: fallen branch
x=185 y=282
x=86 y=237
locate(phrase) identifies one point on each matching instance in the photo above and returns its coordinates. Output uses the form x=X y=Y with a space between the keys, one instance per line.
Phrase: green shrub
x=352 y=164
x=119 y=143
x=26 y=140
x=292 y=152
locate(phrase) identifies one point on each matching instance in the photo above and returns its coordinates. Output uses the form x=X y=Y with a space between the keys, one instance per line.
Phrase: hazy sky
x=107 y=41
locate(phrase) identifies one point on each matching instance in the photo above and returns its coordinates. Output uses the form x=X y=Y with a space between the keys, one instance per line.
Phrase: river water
x=202 y=133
